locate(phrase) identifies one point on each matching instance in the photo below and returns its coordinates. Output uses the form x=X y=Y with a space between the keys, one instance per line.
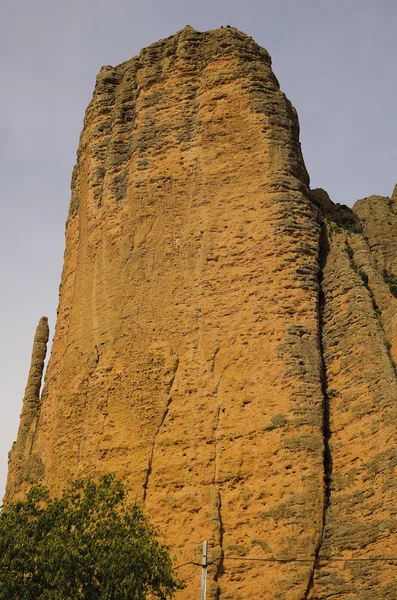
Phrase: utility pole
x=204 y=564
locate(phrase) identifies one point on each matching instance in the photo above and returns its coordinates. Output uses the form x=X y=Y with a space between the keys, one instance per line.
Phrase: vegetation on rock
x=391 y=281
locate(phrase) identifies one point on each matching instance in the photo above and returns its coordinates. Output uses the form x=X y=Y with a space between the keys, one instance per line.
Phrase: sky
x=335 y=60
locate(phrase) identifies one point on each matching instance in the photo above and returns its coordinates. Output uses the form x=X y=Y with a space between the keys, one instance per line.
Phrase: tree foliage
x=90 y=543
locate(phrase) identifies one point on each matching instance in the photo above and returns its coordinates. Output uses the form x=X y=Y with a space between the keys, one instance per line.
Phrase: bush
x=391 y=281
x=349 y=251
x=364 y=278
x=88 y=544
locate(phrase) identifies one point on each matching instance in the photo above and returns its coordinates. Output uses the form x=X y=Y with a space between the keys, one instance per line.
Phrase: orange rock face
x=224 y=340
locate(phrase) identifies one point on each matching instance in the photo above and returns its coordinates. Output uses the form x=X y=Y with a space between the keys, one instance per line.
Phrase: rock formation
x=25 y=464
x=225 y=339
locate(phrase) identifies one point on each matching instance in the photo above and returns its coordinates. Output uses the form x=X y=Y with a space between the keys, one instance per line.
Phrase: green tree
x=90 y=543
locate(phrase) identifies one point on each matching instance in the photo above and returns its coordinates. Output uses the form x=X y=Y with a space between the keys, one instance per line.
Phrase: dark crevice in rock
x=220 y=569
x=163 y=417
x=327 y=456
x=97 y=355
x=218 y=501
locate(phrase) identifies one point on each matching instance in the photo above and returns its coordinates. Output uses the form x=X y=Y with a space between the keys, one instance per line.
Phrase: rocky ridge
x=225 y=338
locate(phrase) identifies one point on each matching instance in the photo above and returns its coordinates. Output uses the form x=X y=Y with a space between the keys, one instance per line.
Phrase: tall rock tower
x=225 y=335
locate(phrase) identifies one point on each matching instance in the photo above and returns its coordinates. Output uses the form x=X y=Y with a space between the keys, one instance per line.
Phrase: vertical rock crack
x=326 y=429
x=218 y=502
x=163 y=417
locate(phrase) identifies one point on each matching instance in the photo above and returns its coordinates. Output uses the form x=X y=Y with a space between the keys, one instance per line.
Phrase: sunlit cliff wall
x=225 y=339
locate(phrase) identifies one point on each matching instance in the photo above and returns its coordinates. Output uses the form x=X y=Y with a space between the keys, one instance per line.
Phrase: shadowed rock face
x=225 y=335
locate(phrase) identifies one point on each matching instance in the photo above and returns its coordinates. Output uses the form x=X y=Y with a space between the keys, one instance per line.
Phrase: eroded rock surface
x=25 y=465
x=225 y=337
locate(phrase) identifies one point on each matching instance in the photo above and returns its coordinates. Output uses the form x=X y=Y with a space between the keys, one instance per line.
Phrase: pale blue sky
x=335 y=60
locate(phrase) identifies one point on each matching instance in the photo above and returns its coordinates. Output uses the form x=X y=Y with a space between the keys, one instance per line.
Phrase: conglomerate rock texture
x=225 y=338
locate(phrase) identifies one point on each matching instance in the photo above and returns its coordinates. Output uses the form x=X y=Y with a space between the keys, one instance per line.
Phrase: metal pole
x=204 y=571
